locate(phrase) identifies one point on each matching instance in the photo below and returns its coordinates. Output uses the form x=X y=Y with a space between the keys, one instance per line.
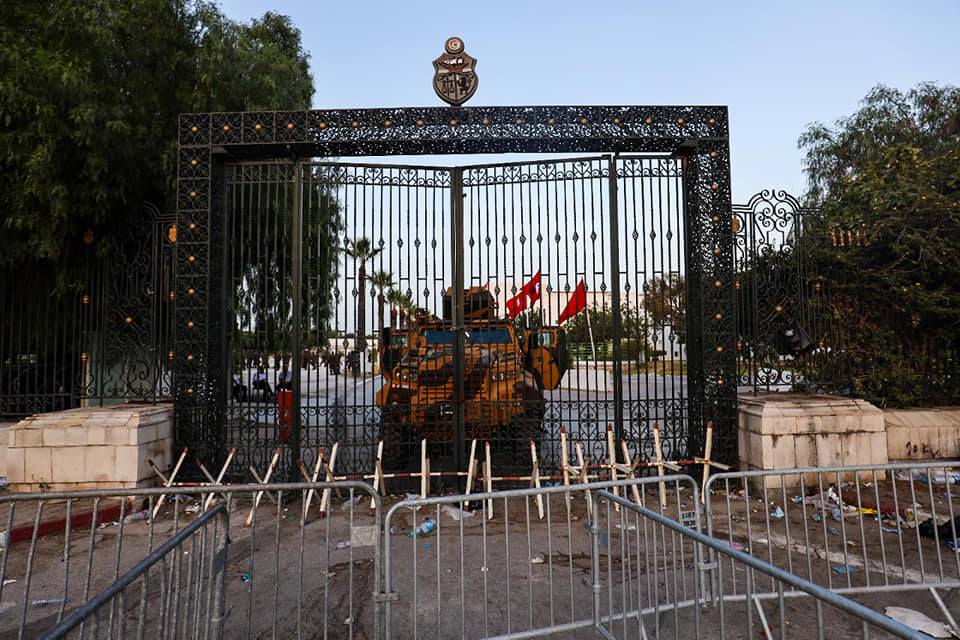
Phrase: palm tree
x=361 y=250
x=395 y=298
x=408 y=308
x=383 y=281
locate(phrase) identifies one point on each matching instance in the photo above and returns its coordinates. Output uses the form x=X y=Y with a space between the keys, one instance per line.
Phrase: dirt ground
x=511 y=573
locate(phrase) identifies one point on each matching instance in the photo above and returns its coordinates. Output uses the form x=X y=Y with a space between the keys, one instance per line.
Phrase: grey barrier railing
x=518 y=567
x=637 y=520
x=200 y=613
x=518 y=563
x=288 y=572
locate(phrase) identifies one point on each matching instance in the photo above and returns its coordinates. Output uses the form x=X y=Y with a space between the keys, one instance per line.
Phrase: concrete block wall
x=89 y=448
x=790 y=431
x=923 y=434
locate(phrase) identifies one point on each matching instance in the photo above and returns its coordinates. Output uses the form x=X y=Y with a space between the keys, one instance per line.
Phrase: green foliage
x=888 y=181
x=90 y=92
x=633 y=344
x=665 y=301
x=528 y=320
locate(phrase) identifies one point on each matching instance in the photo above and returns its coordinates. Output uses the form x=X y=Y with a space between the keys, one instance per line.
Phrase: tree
x=888 y=181
x=382 y=281
x=361 y=250
x=665 y=301
x=90 y=92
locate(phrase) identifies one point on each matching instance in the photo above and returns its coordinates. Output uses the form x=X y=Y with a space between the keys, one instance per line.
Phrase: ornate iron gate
x=101 y=335
x=646 y=238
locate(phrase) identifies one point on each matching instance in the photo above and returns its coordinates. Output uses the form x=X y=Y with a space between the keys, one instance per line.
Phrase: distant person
x=260 y=382
x=285 y=380
x=239 y=389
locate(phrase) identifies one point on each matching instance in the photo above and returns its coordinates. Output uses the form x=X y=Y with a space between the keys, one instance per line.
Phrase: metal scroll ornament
x=455 y=78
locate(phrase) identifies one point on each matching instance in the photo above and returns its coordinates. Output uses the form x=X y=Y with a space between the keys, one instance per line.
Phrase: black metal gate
x=312 y=260
x=401 y=238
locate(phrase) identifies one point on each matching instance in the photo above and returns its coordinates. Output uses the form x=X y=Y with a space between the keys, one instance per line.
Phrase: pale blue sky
x=777 y=66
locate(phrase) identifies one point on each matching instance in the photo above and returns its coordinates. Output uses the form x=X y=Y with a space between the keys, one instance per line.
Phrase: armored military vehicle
x=505 y=374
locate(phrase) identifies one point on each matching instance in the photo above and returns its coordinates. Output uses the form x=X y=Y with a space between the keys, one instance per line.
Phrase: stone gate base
x=90 y=448
x=790 y=431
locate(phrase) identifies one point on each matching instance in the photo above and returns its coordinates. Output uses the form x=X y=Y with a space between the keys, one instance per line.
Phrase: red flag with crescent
x=529 y=293
x=576 y=304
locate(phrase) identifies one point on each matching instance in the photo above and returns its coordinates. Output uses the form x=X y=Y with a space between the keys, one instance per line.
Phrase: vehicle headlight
x=503 y=374
x=408 y=375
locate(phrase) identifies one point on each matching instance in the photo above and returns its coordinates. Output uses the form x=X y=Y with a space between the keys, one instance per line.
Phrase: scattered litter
x=777 y=512
x=331 y=574
x=815 y=517
x=342 y=545
x=4 y=482
x=796 y=499
x=868 y=512
x=423 y=528
x=349 y=503
x=245 y=577
x=833 y=531
x=41 y=603
x=918 y=621
x=841 y=569
x=427 y=545
x=511 y=523
x=629 y=527
x=10 y=581
x=736 y=546
x=538 y=559
x=394 y=529
x=936 y=476
x=889 y=530
x=193 y=508
x=456 y=512
x=139 y=515
x=836 y=514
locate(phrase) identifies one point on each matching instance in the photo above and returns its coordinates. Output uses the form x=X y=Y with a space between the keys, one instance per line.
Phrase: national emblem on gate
x=455 y=80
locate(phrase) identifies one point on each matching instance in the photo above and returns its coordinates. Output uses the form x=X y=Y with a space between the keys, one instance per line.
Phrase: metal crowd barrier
x=191 y=581
x=287 y=574
x=655 y=593
x=518 y=567
x=854 y=530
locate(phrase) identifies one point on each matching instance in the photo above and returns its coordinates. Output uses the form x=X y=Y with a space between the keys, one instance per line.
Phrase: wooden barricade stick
x=471 y=469
x=707 y=462
x=266 y=480
x=325 y=497
x=424 y=469
x=535 y=477
x=313 y=478
x=218 y=479
x=656 y=441
x=632 y=470
x=167 y=482
x=583 y=475
x=378 y=477
x=612 y=453
x=488 y=479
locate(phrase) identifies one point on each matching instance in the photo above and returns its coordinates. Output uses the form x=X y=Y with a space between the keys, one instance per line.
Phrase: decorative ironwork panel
x=780 y=300
x=103 y=336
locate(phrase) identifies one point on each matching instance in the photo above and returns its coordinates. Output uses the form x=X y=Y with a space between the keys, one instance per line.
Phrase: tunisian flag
x=529 y=293
x=576 y=304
